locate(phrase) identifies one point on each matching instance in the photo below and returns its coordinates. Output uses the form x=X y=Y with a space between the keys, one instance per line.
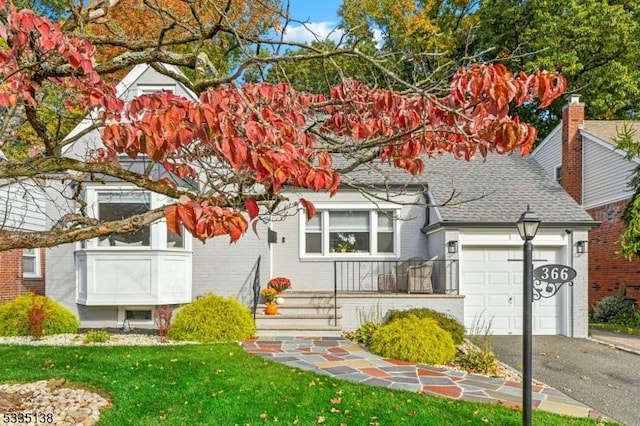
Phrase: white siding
x=22 y=206
x=318 y=274
x=549 y=153
x=606 y=174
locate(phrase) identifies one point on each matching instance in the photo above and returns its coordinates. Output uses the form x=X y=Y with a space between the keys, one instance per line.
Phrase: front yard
x=222 y=385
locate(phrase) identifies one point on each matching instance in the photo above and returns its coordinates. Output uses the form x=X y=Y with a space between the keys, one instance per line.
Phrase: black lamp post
x=527 y=227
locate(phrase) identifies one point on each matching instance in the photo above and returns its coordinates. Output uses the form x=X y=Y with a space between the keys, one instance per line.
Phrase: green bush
x=452 y=325
x=213 y=319
x=97 y=336
x=610 y=307
x=478 y=361
x=364 y=333
x=627 y=319
x=414 y=339
x=14 y=317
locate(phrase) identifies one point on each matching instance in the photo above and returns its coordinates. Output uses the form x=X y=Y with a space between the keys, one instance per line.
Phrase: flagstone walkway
x=344 y=359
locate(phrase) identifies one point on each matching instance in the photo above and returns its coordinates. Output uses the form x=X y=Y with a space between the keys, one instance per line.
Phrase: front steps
x=302 y=314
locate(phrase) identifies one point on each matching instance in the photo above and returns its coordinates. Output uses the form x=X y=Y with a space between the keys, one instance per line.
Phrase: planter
x=271 y=309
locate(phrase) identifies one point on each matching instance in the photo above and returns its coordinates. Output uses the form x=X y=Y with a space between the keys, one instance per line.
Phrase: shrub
x=162 y=318
x=414 y=339
x=476 y=360
x=213 y=319
x=14 y=316
x=627 y=319
x=37 y=314
x=97 y=336
x=364 y=333
x=611 y=307
x=447 y=322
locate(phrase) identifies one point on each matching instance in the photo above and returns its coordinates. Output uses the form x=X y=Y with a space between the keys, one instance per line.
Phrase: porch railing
x=256 y=287
x=397 y=276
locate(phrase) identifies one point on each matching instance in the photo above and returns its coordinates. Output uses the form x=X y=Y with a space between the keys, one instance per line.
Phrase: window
x=120 y=205
x=31 y=263
x=357 y=231
x=147 y=89
x=558 y=174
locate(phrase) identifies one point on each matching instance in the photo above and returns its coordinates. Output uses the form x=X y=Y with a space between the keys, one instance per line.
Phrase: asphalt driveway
x=597 y=375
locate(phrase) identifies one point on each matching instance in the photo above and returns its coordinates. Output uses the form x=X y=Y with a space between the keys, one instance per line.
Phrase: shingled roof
x=609 y=130
x=498 y=190
x=495 y=191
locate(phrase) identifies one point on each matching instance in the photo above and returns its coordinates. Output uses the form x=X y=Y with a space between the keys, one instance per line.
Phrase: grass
x=223 y=385
x=622 y=329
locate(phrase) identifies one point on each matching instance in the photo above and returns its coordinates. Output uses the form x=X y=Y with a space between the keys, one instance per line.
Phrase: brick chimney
x=572 y=122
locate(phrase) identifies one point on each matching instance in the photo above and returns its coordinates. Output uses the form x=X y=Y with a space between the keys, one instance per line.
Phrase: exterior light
x=528 y=225
x=452 y=247
x=581 y=247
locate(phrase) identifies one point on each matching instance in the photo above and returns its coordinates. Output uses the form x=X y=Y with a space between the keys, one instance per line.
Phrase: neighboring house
x=582 y=156
x=22 y=207
x=370 y=253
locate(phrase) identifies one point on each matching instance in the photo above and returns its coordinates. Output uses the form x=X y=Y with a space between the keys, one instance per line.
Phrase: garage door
x=491 y=281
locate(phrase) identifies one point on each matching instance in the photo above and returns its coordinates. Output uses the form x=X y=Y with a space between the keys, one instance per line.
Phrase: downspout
x=571 y=295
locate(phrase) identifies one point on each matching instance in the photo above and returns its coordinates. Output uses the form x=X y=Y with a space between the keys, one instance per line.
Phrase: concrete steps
x=302 y=314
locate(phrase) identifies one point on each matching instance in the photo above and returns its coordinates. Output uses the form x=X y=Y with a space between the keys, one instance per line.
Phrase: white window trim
x=557 y=173
x=158 y=233
x=36 y=265
x=324 y=208
x=136 y=323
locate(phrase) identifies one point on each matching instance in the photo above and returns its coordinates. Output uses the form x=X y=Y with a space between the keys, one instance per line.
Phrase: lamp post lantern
x=527 y=227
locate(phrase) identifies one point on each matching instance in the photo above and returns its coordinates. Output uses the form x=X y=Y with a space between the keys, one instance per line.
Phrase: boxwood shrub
x=213 y=319
x=14 y=316
x=452 y=325
x=414 y=339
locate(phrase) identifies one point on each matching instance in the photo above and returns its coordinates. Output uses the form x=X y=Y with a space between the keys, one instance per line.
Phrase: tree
x=244 y=142
x=593 y=43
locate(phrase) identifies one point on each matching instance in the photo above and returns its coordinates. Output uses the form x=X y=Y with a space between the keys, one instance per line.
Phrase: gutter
x=480 y=225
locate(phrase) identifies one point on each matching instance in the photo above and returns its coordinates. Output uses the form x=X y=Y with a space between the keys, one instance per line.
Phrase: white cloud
x=312 y=31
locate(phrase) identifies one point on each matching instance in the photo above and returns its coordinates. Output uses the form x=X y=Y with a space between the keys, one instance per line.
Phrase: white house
x=361 y=255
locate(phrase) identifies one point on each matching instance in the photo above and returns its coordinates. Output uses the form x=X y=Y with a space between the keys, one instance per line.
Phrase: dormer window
x=147 y=89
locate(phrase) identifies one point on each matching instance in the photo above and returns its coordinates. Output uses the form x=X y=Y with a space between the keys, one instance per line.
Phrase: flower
x=279 y=284
x=269 y=294
x=347 y=242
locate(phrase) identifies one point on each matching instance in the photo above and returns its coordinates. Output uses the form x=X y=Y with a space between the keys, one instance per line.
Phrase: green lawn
x=223 y=385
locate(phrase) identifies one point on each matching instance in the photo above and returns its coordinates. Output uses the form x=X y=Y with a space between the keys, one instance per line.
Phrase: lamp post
x=527 y=227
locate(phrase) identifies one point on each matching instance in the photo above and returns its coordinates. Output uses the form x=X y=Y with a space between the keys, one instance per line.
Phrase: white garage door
x=491 y=281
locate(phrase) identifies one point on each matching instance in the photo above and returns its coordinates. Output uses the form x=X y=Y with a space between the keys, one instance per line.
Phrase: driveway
x=597 y=375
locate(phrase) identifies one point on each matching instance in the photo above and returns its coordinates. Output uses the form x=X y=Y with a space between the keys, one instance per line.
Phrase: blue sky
x=320 y=17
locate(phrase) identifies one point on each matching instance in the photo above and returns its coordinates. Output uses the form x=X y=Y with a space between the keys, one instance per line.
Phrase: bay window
x=344 y=231
x=110 y=203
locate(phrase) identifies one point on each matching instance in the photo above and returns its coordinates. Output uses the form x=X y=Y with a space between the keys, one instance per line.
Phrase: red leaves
x=309 y=207
x=252 y=208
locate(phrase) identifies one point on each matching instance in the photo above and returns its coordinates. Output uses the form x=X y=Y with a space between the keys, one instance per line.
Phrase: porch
x=415 y=275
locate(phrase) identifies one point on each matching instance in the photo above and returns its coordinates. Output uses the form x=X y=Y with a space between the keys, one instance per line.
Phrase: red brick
x=12 y=283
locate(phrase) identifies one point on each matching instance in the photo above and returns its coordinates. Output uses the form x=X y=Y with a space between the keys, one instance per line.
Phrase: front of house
x=445 y=240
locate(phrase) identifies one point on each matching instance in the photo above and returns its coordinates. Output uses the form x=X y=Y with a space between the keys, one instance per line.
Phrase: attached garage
x=491 y=281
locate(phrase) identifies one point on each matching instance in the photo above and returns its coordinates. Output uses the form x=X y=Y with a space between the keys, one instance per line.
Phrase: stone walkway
x=344 y=359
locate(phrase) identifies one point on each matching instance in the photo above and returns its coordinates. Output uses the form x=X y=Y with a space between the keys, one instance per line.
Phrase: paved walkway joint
x=344 y=359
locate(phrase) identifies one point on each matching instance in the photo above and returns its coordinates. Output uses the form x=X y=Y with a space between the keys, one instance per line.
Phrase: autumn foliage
x=263 y=132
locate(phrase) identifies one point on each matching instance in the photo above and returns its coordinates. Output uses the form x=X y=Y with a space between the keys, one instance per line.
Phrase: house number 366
x=554 y=273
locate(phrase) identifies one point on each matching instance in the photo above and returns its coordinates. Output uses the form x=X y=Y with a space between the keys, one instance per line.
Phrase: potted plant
x=280 y=285
x=269 y=295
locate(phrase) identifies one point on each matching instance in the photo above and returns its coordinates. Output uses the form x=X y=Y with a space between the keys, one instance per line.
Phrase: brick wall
x=12 y=283
x=610 y=275
x=572 y=119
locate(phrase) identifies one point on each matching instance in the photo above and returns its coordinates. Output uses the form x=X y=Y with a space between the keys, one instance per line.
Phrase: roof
x=498 y=190
x=492 y=191
x=608 y=130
